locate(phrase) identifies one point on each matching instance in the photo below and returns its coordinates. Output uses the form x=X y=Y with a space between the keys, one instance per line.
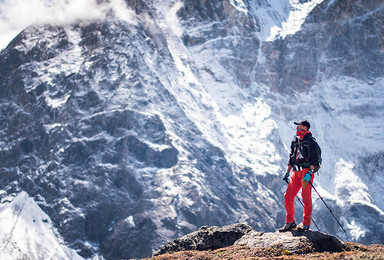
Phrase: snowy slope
x=27 y=232
x=237 y=122
x=298 y=12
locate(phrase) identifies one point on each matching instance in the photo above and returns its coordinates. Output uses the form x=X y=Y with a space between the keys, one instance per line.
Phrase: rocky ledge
x=240 y=241
x=207 y=238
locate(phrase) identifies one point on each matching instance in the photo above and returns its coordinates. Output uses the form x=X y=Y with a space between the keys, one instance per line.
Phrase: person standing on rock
x=303 y=159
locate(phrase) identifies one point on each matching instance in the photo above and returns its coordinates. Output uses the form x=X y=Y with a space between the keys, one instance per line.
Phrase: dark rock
x=294 y=242
x=124 y=240
x=26 y=145
x=207 y=238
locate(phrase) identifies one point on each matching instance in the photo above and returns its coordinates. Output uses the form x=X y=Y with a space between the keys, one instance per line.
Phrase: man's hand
x=285 y=177
x=308 y=176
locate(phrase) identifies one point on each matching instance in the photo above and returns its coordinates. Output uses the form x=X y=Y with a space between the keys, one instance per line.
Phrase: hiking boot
x=288 y=226
x=302 y=227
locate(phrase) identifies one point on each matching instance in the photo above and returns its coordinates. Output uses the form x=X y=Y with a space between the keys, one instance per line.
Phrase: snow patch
x=348 y=185
x=355 y=230
x=297 y=14
x=27 y=232
x=50 y=127
x=239 y=5
x=248 y=137
x=57 y=102
x=173 y=20
x=130 y=221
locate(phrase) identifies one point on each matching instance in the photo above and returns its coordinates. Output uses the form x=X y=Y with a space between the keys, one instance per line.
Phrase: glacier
x=144 y=125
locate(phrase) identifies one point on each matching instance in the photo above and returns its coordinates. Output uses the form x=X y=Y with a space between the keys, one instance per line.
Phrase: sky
x=16 y=15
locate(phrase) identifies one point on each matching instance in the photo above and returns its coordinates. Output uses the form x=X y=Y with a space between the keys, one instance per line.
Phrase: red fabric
x=294 y=187
x=301 y=134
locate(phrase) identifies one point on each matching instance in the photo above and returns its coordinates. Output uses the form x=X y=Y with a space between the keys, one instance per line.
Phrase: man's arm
x=290 y=162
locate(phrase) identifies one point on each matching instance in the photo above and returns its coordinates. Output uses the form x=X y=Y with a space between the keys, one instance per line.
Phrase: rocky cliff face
x=338 y=38
x=92 y=130
x=129 y=134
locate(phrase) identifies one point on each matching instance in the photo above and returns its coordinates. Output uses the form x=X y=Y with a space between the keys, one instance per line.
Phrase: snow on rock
x=26 y=232
x=298 y=11
x=348 y=186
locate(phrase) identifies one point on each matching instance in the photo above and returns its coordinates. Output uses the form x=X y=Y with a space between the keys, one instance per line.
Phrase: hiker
x=303 y=159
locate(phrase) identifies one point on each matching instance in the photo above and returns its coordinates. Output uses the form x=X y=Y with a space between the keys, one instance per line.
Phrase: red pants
x=294 y=187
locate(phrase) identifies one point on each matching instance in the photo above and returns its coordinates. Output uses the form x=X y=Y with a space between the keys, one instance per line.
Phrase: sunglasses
x=300 y=129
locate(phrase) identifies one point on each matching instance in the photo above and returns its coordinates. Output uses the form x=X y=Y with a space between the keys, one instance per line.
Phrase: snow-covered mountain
x=27 y=232
x=132 y=130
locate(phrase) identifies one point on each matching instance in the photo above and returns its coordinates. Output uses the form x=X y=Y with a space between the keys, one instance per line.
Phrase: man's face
x=302 y=128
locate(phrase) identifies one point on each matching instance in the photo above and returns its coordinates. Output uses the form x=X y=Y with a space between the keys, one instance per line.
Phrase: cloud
x=16 y=15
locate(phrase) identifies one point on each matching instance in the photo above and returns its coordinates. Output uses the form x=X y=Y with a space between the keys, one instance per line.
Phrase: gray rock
x=207 y=238
x=294 y=242
x=327 y=46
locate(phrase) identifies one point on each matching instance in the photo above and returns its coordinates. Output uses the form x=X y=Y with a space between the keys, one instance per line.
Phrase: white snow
x=297 y=14
x=16 y=15
x=355 y=230
x=130 y=221
x=239 y=5
x=26 y=232
x=349 y=187
x=57 y=102
x=50 y=127
x=269 y=14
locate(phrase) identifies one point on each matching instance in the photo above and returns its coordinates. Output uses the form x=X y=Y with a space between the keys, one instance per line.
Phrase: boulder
x=294 y=241
x=207 y=238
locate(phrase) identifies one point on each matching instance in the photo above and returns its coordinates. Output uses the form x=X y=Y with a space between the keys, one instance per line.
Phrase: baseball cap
x=304 y=123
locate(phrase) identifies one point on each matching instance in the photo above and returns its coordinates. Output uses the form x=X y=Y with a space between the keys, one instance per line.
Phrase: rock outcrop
x=294 y=242
x=207 y=238
x=240 y=234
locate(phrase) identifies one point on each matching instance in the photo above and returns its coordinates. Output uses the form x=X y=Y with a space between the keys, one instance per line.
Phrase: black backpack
x=318 y=149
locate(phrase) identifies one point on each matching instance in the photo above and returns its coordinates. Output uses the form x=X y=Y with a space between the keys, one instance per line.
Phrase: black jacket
x=303 y=152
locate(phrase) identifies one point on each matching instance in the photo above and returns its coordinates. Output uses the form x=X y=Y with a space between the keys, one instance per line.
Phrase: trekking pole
x=328 y=208
x=302 y=204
